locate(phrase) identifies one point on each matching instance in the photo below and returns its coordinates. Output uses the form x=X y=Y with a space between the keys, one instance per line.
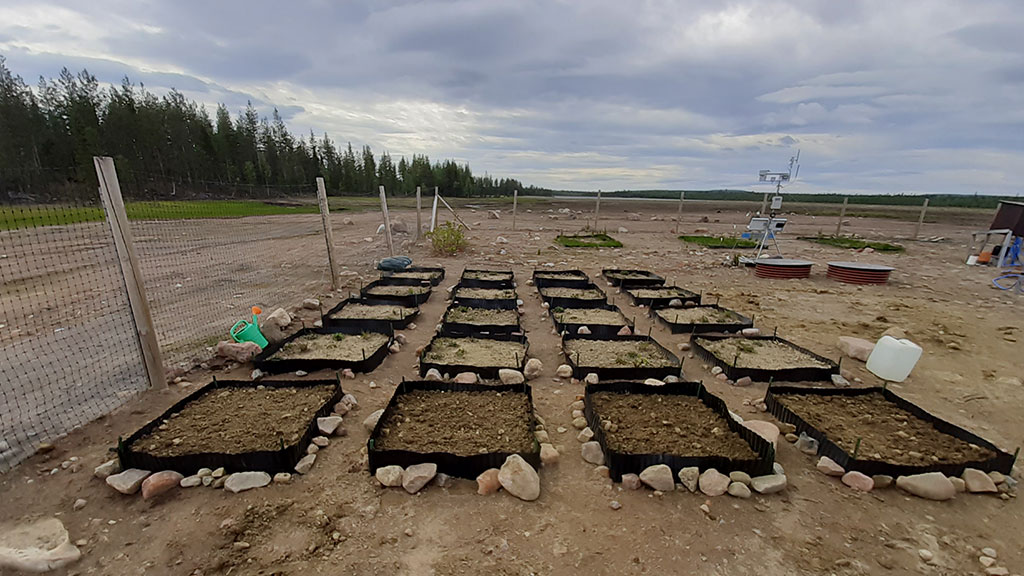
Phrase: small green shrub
x=448 y=238
x=588 y=241
x=719 y=242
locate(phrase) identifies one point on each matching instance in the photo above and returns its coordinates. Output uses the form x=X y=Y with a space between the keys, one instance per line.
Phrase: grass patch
x=588 y=241
x=719 y=242
x=21 y=217
x=846 y=242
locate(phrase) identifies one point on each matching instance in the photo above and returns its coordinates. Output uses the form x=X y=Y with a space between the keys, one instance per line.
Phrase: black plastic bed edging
x=775 y=400
x=625 y=372
x=434 y=280
x=503 y=303
x=456 y=329
x=269 y=461
x=566 y=302
x=620 y=463
x=649 y=279
x=602 y=330
x=485 y=372
x=810 y=374
x=447 y=463
x=542 y=279
x=410 y=300
x=368 y=324
x=662 y=301
x=703 y=327
x=477 y=283
x=265 y=362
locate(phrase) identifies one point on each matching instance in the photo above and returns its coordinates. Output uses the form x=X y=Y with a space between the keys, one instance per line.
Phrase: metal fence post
x=325 y=215
x=419 y=223
x=515 y=204
x=117 y=218
x=679 y=215
x=387 y=222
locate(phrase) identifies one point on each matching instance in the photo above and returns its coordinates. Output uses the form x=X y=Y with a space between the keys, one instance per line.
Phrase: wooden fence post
x=325 y=216
x=419 y=223
x=387 y=221
x=515 y=204
x=433 y=211
x=679 y=215
x=597 y=209
x=117 y=218
x=920 y=220
x=842 y=214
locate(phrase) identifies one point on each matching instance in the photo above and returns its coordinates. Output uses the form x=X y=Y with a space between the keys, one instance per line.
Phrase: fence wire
x=69 y=352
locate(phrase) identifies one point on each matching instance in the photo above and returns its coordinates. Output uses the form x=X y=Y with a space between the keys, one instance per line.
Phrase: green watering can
x=244 y=331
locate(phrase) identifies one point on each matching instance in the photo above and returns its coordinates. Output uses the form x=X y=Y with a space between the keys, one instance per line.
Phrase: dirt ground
x=337 y=520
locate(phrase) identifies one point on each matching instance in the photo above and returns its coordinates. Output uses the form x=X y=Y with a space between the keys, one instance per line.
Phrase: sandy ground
x=818 y=526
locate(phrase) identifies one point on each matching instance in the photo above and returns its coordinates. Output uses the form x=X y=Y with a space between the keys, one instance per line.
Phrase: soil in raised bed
x=385 y=290
x=699 y=315
x=416 y=275
x=560 y=276
x=487 y=276
x=888 y=433
x=617 y=354
x=660 y=292
x=348 y=347
x=631 y=275
x=760 y=354
x=590 y=316
x=667 y=424
x=480 y=352
x=237 y=420
x=481 y=316
x=486 y=293
x=460 y=423
x=368 y=312
x=575 y=293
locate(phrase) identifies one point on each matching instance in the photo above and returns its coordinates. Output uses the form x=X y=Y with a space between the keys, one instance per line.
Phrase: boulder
x=279 y=318
x=433 y=375
x=653 y=382
x=978 y=481
x=829 y=467
x=881 y=481
x=242 y=481
x=739 y=476
x=856 y=348
x=39 y=546
x=400 y=227
x=304 y=465
x=739 y=490
x=417 y=476
x=282 y=478
x=713 y=483
x=466 y=378
x=107 y=468
x=564 y=371
x=191 y=481
x=690 y=477
x=241 y=352
x=127 y=482
x=769 y=484
x=591 y=452
x=585 y=435
x=548 y=454
x=487 y=482
x=591 y=378
x=160 y=482
x=858 y=481
x=311 y=304
x=519 y=479
x=658 y=477
x=583 y=330
x=631 y=482
x=389 y=476
x=931 y=485
x=533 y=368
x=766 y=430
x=328 y=424
x=750 y=332
x=509 y=376
x=371 y=421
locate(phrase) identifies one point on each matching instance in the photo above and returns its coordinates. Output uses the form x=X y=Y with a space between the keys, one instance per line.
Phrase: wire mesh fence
x=68 y=346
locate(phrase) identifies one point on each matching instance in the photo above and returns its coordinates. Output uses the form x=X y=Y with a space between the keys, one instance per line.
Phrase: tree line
x=49 y=135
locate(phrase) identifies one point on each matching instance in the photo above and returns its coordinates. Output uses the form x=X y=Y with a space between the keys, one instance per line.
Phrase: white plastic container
x=892 y=359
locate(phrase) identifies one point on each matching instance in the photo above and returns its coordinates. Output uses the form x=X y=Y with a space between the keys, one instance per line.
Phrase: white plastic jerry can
x=892 y=359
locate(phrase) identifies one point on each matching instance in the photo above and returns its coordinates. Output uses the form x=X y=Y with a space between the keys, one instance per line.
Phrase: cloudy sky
x=905 y=96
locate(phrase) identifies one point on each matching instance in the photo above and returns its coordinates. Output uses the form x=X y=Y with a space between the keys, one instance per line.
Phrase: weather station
x=767 y=229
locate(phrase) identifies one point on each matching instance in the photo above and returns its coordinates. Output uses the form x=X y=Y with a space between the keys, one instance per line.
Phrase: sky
x=880 y=96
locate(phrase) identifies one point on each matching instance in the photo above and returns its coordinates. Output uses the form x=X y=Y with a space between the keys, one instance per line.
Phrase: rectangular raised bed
x=397 y=290
x=444 y=454
x=367 y=361
x=661 y=296
x=702 y=319
x=619 y=462
x=626 y=364
x=632 y=278
x=476 y=278
x=431 y=274
x=586 y=296
x=478 y=297
x=595 y=240
x=515 y=360
x=398 y=315
x=560 y=278
x=494 y=319
x=279 y=456
x=816 y=367
x=840 y=447
x=604 y=320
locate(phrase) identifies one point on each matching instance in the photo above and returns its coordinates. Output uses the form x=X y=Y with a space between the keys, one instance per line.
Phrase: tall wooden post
x=515 y=204
x=387 y=221
x=679 y=215
x=597 y=209
x=920 y=220
x=325 y=216
x=842 y=214
x=433 y=211
x=131 y=271
x=764 y=204
x=419 y=207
